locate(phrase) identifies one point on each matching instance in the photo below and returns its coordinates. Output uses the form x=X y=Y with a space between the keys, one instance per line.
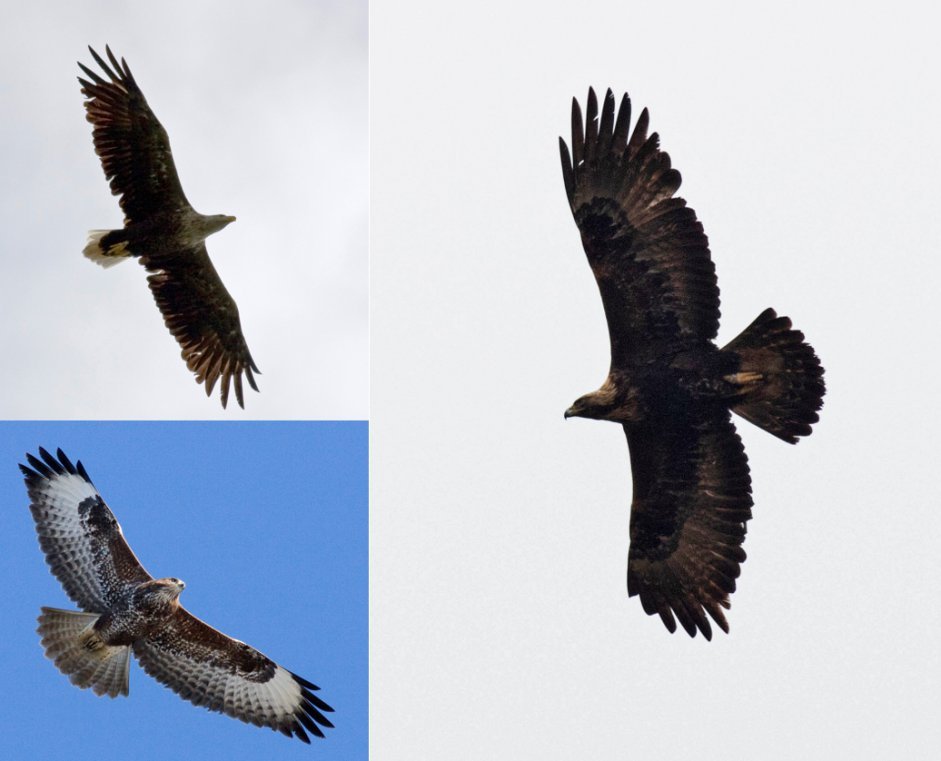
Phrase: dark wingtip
x=46 y=466
x=304 y=683
x=65 y=461
x=299 y=733
x=308 y=722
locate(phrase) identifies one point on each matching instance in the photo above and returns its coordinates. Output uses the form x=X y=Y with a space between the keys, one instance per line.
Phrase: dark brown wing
x=646 y=248
x=133 y=146
x=207 y=668
x=204 y=319
x=82 y=541
x=692 y=497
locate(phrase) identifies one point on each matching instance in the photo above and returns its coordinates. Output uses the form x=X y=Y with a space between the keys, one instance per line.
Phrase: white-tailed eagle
x=163 y=230
x=669 y=385
x=125 y=610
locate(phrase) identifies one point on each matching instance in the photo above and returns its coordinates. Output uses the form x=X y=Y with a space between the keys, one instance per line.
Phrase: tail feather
x=780 y=377
x=105 y=253
x=72 y=644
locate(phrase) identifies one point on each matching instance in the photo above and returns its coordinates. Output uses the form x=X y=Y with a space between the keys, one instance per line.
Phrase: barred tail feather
x=105 y=253
x=780 y=377
x=72 y=644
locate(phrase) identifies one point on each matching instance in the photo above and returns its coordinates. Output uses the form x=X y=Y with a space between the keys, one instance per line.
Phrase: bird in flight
x=670 y=387
x=126 y=610
x=162 y=230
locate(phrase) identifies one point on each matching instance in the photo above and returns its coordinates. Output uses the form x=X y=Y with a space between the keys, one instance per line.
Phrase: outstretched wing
x=82 y=541
x=133 y=146
x=647 y=250
x=204 y=319
x=692 y=498
x=210 y=669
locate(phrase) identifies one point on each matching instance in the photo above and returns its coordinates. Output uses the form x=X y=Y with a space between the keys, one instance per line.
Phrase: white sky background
x=266 y=106
x=807 y=136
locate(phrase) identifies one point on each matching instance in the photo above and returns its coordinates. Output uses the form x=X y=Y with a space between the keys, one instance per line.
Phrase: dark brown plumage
x=163 y=230
x=669 y=385
x=125 y=610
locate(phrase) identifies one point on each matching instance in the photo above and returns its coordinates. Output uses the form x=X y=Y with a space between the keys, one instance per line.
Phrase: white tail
x=70 y=641
x=114 y=254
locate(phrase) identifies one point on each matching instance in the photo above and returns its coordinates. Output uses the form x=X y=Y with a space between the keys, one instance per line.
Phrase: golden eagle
x=670 y=386
x=127 y=610
x=163 y=230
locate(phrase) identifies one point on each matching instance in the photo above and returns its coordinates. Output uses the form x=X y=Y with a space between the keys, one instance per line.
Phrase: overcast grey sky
x=807 y=139
x=266 y=108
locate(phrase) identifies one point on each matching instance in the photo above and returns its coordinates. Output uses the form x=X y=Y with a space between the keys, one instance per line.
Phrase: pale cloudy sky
x=806 y=134
x=266 y=108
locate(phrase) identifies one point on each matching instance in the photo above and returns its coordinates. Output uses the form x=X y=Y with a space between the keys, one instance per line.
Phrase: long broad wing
x=82 y=541
x=647 y=250
x=133 y=146
x=204 y=319
x=210 y=669
x=692 y=498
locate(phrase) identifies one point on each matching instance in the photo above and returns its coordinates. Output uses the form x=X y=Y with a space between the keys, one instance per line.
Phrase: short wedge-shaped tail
x=106 y=247
x=780 y=377
x=70 y=641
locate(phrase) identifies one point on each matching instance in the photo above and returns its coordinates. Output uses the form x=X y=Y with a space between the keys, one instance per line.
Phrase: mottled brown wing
x=82 y=541
x=647 y=250
x=204 y=319
x=692 y=498
x=207 y=668
x=133 y=146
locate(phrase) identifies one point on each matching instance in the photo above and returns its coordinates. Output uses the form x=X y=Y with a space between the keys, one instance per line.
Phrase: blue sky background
x=267 y=525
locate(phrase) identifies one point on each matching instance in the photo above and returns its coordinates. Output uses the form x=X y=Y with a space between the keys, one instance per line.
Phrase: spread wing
x=204 y=319
x=82 y=541
x=647 y=250
x=692 y=497
x=133 y=146
x=210 y=669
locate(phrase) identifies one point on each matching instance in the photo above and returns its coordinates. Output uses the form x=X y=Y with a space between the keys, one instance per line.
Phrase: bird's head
x=206 y=226
x=607 y=403
x=159 y=592
x=590 y=406
x=215 y=222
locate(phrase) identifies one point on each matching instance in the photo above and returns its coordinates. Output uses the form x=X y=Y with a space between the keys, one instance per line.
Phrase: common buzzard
x=669 y=385
x=163 y=230
x=127 y=610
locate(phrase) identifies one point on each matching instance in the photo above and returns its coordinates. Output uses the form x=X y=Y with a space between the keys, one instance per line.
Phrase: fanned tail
x=72 y=644
x=105 y=249
x=780 y=377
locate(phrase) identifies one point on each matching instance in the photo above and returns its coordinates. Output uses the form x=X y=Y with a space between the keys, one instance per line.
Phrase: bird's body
x=125 y=610
x=163 y=231
x=161 y=241
x=670 y=386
